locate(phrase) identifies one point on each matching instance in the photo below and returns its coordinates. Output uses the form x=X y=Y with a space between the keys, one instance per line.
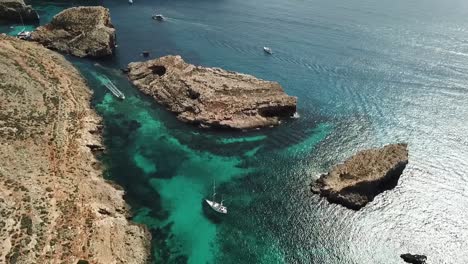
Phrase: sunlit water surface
x=366 y=73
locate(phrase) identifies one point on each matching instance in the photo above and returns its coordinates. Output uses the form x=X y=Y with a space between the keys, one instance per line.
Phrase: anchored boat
x=267 y=50
x=218 y=207
x=23 y=34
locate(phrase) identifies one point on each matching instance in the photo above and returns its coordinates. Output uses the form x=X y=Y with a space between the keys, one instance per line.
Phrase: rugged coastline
x=79 y=31
x=55 y=205
x=360 y=178
x=212 y=97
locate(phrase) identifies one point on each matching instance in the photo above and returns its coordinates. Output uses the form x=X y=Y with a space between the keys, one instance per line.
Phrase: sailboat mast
x=214 y=190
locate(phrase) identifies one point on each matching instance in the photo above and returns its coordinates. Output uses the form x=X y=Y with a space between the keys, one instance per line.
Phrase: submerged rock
x=80 y=31
x=212 y=97
x=17 y=11
x=359 y=179
x=414 y=259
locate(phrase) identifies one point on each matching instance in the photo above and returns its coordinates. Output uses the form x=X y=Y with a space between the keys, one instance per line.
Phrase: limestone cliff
x=55 y=206
x=212 y=96
x=80 y=31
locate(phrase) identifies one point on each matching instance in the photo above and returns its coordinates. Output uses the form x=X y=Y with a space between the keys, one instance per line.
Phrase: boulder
x=359 y=179
x=80 y=31
x=17 y=11
x=212 y=97
x=414 y=259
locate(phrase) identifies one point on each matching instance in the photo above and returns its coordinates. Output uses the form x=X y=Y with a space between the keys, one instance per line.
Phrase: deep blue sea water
x=366 y=73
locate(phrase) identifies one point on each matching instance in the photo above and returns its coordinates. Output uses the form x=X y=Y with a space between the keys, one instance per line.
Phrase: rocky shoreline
x=360 y=178
x=212 y=97
x=79 y=31
x=55 y=204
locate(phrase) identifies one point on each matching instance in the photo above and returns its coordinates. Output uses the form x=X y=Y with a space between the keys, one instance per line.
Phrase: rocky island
x=212 y=97
x=80 y=31
x=359 y=179
x=17 y=11
x=414 y=259
x=55 y=206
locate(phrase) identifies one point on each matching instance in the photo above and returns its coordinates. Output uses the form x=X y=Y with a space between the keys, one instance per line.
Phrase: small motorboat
x=130 y=2
x=159 y=17
x=111 y=87
x=295 y=115
x=267 y=50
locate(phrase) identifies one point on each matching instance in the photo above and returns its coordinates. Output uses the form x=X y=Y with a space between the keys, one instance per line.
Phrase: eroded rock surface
x=212 y=96
x=52 y=194
x=80 y=31
x=17 y=11
x=359 y=179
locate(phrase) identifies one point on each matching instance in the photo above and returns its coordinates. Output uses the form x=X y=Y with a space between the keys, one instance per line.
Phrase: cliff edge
x=80 y=31
x=55 y=206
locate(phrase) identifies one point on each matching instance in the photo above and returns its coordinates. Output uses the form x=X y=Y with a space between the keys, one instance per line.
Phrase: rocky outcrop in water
x=414 y=259
x=80 y=31
x=55 y=206
x=17 y=11
x=212 y=97
x=359 y=179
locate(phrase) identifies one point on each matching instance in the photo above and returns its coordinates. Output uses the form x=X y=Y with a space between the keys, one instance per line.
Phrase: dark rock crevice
x=17 y=11
x=158 y=70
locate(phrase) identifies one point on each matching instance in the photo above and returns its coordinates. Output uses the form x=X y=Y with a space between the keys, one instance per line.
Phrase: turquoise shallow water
x=366 y=73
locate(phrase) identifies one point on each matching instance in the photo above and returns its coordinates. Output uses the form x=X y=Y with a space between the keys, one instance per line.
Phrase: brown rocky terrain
x=212 y=96
x=359 y=179
x=55 y=206
x=17 y=11
x=80 y=31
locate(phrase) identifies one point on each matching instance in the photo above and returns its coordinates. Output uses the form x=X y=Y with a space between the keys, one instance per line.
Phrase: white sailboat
x=218 y=207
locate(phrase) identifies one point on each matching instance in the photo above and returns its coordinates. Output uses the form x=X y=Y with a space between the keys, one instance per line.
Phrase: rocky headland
x=212 y=97
x=80 y=31
x=55 y=206
x=359 y=179
x=17 y=11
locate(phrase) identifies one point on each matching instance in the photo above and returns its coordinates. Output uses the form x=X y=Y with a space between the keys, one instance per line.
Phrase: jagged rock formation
x=17 y=11
x=413 y=259
x=212 y=96
x=80 y=31
x=359 y=179
x=55 y=206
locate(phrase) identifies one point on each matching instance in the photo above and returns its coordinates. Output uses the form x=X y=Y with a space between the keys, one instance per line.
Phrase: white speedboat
x=159 y=17
x=267 y=50
x=218 y=207
x=130 y=2
x=111 y=87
